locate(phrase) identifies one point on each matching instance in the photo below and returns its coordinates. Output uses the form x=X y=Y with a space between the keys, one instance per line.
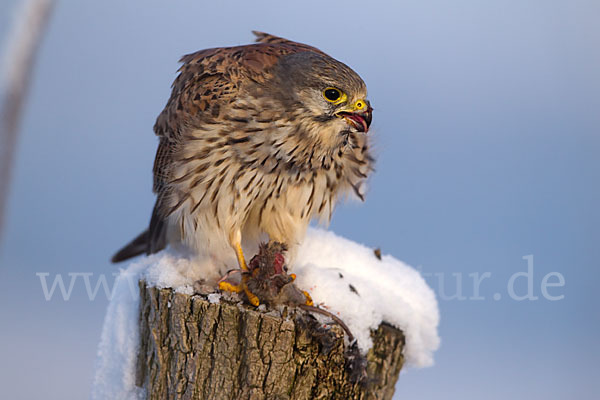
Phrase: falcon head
x=325 y=93
x=357 y=112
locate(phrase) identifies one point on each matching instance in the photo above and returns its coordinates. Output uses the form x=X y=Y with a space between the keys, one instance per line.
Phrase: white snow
x=326 y=266
x=386 y=290
x=117 y=351
x=214 y=298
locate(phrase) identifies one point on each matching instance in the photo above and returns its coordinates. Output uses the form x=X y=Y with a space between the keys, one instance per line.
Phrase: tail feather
x=157 y=236
x=151 y=241
x=137 y=246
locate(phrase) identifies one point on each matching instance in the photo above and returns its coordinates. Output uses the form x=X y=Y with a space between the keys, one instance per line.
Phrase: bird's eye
x=332 y=94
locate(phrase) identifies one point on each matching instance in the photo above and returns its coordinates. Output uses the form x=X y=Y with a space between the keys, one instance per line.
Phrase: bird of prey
x=255 y=142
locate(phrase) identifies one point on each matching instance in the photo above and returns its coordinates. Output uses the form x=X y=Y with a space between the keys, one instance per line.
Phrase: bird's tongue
x=359 y=120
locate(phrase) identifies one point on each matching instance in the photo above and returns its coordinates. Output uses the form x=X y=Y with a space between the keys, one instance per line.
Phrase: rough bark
x=193 y=349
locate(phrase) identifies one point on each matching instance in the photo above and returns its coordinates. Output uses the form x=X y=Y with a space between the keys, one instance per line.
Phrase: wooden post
x=193 y=349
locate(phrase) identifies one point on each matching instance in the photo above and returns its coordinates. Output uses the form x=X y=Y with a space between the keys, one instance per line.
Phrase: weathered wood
x=193 y=349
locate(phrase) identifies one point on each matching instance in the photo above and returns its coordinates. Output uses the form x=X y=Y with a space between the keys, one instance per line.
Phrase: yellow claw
x=228 y=287
x=309 y=301
x=244 y=285
x=251 y=296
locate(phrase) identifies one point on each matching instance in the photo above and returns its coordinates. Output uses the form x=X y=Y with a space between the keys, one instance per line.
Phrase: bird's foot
x=265 y=279
x=228 y=286
x=241 y=285
x=309 y=300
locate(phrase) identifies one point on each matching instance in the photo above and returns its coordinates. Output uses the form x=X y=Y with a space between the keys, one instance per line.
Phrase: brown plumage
x=255 y=141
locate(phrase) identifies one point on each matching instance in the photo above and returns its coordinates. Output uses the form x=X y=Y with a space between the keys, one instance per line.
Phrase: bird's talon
x=309 y=301
x=252 y=298
x=242 y=287
x=228 y=287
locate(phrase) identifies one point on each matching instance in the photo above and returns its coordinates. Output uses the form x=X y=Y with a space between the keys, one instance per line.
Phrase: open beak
x=360 y=120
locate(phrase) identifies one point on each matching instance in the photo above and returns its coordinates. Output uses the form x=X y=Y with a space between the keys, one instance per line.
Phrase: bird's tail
x=151 y=241
x=137 y=246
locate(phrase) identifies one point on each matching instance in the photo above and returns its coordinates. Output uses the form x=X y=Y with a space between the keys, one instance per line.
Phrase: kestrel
x=255 y=142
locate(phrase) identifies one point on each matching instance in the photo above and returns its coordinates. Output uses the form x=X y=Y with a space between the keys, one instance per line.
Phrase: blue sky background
x=487 y=118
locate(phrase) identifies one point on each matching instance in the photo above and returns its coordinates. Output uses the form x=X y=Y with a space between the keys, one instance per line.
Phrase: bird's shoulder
x=251 y=61
x=209 y=80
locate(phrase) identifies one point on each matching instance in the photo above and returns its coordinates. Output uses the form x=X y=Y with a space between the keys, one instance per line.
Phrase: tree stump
x=193 y=349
